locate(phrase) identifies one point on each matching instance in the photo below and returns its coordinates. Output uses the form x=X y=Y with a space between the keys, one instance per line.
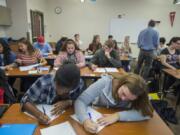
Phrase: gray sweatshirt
x=100 y=93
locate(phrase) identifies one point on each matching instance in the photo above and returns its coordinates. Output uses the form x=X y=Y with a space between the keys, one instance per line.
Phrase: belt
x=147 y=50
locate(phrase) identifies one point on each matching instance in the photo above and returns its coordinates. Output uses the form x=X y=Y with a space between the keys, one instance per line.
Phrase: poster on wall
x=172 y=17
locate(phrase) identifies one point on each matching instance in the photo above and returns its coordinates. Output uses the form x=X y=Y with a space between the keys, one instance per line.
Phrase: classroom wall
x=19 y=25
x=3 y=3
x=91 y=18
x=2 y=29
x=37 y=5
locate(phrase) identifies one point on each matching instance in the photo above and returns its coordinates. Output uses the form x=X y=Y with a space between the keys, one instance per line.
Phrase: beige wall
x=93 y=18
x=90 y=18
x=19 y=19
x=2 y=29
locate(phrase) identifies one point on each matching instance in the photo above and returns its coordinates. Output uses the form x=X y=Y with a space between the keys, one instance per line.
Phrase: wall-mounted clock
x=58 y=10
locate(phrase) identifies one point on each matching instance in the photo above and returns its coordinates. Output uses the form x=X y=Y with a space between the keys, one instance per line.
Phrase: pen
x=90 y=115
x=44 y=111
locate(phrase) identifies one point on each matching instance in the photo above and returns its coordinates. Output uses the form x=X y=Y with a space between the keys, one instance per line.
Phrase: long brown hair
x=137 y=87
x=30 y=47
x=95 y=38
x=67 y=42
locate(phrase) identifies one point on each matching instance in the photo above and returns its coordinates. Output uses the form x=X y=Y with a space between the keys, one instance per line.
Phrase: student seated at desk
x=95 y=45
x=170 y=58
x=62 y=88
x=43 y=46
x=77 y=40
x=106 y=57
x=124 y=92
x=27 y=55
x=161 y=46
x=6 y=55
x=60 y=44
x=70 y=52
x=126 y=45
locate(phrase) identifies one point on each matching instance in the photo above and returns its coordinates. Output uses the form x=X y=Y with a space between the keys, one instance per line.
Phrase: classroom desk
x=15 y=72
x=88 y=73
x=125 y=58
x=154 y=126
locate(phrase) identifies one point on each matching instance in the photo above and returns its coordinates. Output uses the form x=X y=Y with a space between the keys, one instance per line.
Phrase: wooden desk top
x=150 y=127
x=86 y=72
x=174 y=73
x=15 y=72
x=124 y=58
x=51 y=57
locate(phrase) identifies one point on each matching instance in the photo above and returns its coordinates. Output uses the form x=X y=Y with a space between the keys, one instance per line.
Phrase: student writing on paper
x=106 y=57
x=70 y=52
x=62 y=89
x=124 y=92
x=27 y=55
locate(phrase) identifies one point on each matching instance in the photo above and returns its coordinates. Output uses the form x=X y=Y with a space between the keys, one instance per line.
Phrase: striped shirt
x=29 y=59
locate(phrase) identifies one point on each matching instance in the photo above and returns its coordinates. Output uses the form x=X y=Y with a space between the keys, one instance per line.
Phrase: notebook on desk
x=3 y=109
x=17 y=129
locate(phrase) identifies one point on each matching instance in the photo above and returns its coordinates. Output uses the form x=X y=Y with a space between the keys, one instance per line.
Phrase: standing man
x=148 y=41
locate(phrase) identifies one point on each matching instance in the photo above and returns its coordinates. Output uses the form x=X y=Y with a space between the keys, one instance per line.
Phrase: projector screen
x=120 y=28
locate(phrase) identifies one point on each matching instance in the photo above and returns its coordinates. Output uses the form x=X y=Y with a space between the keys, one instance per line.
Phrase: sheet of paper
x=88 y=56
x=95 y=116
x=32 y=72
x=2 y=67
x=100 y=70
x=60 y=129
x=111 y=70
x=26 y=68
x=43 y=68
x=103 y=70
x=48 y=109
x=56 y=68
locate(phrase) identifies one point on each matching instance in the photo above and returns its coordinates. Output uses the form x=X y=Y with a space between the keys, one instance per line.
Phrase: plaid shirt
x=43 y=91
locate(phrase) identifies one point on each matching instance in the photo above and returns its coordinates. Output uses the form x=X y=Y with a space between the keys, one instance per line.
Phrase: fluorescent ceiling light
x=176 y=1
x=82 y=1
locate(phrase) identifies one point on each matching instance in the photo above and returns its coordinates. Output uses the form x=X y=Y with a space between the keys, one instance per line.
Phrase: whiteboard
x=120 y=28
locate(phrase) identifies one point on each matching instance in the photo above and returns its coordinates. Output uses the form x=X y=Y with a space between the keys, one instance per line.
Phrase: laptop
x=3 y=109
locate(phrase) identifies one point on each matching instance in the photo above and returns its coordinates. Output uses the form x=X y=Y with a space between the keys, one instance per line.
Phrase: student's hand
x=108 y=119
x=19 y=61
x=90 y=126
x=93 y=67
x=43 y=119
x=107 y=54
x=8 y=67
x=60 y=106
